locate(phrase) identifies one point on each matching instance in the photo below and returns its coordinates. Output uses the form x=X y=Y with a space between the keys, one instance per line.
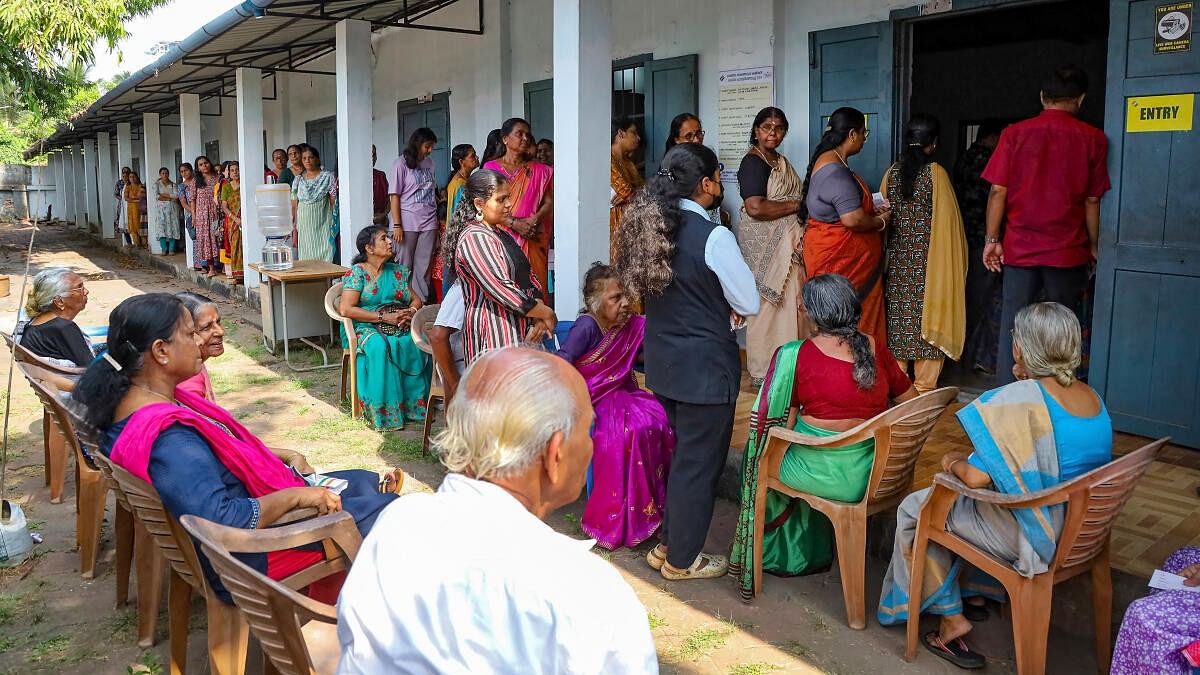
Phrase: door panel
x=1146 y=326
x=322 y=135
x=670 y=89
x=539 y=109
x=436 y=116
x=853 y=67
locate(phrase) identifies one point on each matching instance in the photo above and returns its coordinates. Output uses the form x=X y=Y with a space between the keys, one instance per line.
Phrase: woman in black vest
x=697 y=290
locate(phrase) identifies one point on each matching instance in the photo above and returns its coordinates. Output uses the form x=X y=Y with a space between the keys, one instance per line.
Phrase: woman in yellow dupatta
x=927 y=258
x=531 y=188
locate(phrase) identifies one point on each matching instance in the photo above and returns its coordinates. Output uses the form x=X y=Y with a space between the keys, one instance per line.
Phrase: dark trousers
x=1025 y=285
x=702 y=435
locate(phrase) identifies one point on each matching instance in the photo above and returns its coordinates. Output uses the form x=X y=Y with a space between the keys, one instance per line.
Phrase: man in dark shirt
x=379 y=193
x=983 y=285
x=1047 y=174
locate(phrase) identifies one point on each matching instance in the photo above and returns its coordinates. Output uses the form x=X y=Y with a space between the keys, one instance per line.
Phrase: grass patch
x=301 y=383
x=753 y=669
x=8 y=608
x=398 y=448
x=796 y=648
x=124 y=624
x=704 y=641
x=328 y=428
x=54 y=647
x=256 y=351
x=573 y=520
x=655 y=620
x=147 y=664
x=6 y=644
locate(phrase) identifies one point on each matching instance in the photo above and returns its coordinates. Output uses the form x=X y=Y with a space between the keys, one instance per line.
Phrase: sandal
x=393 y=482
x=956 y=652
x=655 y=558
x=975 y=613
x=706 y=566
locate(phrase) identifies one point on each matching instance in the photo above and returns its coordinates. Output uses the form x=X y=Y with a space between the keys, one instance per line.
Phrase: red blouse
x=825 y=386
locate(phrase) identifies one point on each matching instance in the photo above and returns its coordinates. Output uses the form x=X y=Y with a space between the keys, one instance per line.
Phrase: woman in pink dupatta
x=632 y=440
x=207 y=318
x=200 y=459
x=531 y=185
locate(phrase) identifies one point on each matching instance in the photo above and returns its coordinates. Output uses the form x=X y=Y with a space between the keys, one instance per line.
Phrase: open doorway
x=970 y=67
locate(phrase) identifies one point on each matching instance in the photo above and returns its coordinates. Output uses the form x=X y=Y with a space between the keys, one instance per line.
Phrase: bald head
x=510 y=405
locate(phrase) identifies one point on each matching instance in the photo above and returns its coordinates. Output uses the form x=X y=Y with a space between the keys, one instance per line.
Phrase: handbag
x=392 y=329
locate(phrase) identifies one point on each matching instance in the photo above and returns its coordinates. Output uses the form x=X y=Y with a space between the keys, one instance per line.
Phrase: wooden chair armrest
x=1054 y=495
x=295 y=516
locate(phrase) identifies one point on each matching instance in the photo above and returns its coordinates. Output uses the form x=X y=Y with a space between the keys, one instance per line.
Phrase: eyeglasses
x=693 y=136
x=773 y=129
x=866 y=134
x=78 y=289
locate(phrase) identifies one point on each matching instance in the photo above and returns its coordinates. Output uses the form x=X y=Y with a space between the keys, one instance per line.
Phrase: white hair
x=49 y=285
x=1050 y=339
x=500 y=426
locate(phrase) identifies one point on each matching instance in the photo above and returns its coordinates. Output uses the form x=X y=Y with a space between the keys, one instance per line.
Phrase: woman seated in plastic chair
x=56 y=297
x=1161 y=632
x=1065 y=431
x=835 y=380
x=393 y=374
x=207 y=317
x=632 y=439
x=199 y=458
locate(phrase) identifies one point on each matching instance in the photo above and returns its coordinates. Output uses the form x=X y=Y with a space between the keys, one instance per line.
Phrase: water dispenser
x=274 y=204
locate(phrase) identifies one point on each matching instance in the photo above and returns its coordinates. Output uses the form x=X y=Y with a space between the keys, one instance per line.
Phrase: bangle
x=882 y=224
x=992 y=240
x=380 y=317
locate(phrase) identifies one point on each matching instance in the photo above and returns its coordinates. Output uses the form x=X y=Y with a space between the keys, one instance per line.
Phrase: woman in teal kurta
x=314 y=193
x=393 y=374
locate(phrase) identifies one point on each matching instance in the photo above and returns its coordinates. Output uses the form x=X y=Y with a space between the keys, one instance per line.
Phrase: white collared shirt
x=466 y=580
x=724 y=257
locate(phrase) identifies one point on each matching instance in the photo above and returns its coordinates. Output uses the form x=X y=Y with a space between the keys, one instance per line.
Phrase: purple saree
x=632 y=442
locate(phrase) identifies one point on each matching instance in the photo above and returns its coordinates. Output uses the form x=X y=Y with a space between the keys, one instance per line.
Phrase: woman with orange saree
x=845 y=231
x=531 y=187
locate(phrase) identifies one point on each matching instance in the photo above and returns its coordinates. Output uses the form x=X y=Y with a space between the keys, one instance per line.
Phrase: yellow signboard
x=1172 y=112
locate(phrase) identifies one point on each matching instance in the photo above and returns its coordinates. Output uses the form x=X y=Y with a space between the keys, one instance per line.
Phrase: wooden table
x=310 y=280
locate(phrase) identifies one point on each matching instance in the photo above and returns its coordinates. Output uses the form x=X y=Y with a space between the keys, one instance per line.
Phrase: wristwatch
x=991 y=240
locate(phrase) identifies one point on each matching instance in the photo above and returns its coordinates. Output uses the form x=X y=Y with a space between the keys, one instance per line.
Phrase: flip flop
x=706 y=566
x=956 y=652
x=393 y=482
x=655 y=559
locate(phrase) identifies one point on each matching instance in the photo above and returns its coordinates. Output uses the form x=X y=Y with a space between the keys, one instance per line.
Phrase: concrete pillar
x=90 y=183
x=80 y=185
x=353 y=66
x=193 y=146
x=105 y=181
x=582 y=104
x=250 y=160
x=60 y=187
x=68 y=185
x=124 y=146
x=151 y=154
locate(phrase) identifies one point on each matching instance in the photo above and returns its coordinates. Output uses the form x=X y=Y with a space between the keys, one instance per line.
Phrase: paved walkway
x=52 y=621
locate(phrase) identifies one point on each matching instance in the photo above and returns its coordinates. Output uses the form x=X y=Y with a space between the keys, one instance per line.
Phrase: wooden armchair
x=54 y=446
x=298 y=634
x=421 y=323
x=899 y=434
x=1093 y=502
x=228 y=635
x=333 y=298
x=91 y=490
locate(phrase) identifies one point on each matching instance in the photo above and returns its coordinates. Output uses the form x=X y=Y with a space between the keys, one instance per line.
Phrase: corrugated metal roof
x=273 y=35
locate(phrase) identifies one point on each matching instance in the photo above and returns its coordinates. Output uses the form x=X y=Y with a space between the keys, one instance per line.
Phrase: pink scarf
x=245 y=456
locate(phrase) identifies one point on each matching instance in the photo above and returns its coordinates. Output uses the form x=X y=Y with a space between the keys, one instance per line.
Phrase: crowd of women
x=833 y=327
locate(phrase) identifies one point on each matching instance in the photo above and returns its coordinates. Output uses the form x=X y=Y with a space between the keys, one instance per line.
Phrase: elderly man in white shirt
x=470 y=579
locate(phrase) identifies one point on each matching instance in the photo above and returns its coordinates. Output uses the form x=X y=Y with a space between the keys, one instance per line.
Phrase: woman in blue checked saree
x=1047 y=424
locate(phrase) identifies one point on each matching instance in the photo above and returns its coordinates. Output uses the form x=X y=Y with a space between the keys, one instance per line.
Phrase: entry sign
x=1173 y=28
x=1172 y=112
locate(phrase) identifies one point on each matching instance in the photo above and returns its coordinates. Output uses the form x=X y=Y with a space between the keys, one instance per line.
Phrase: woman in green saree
x=822 y=386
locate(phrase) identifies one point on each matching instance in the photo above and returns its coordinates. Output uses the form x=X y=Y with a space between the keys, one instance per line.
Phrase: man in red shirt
x=379 y=193
x=1047 y=174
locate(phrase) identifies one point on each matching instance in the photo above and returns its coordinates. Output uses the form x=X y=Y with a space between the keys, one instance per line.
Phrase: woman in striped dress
x=313 y=195
x=504 y=304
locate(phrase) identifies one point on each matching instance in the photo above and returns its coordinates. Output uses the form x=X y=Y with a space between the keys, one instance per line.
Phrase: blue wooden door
x=853 y=67
x=539 y=109
x=322 y=135
x=1146 y=329
x=670 y=89
x=434 y=115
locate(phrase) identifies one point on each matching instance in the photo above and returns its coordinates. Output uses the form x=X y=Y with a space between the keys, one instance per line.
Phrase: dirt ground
x=52 y=621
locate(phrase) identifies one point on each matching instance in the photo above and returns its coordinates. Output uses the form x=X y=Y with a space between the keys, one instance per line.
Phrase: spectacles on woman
x=773 y=128
x=694 y=136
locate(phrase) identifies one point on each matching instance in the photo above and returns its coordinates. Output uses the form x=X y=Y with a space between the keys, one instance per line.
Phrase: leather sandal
x=706 y=566
x=393 y=482
x=655 y=558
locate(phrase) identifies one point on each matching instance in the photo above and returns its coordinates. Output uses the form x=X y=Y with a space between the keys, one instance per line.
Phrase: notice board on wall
x=741 y=93
x=1173 y=28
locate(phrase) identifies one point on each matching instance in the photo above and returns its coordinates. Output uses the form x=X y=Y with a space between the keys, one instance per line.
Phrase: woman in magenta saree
x=632 y=440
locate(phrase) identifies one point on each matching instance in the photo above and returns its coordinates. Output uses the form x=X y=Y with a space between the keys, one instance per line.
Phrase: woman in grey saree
x=1030 y=435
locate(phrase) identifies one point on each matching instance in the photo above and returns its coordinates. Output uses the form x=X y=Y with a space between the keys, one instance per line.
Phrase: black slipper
x=975 y=613
x=956 y=652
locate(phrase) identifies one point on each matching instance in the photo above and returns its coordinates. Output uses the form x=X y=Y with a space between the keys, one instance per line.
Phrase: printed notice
x=1172 y=112
x=1165 y=581
x=1173 y=28
x=741 y=94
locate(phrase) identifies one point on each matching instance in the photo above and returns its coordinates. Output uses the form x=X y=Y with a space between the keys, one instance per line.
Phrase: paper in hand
x=1170 y=582
x=881 y=202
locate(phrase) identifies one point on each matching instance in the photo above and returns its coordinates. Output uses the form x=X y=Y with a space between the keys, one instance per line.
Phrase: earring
x=163 y=362
x=478 y=214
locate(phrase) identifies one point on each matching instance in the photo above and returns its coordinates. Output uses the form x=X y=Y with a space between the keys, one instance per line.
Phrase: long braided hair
x=646 y=237
x=832 y=303
x=841 y=123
